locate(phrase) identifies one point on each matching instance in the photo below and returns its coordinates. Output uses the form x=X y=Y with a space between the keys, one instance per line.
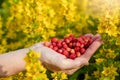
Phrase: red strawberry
x=55 y=48
x=60 y=51
x=50 y=46
x=59 y=44
x=54 y=40
x=72 y=56
x=65 y=46
x=67 y=40
x=82 y=50
x=78 y=54
x=46 y=44
x=68 y=49
x=66 y=53
x=77 y=49
x=77 y=44
x=63 y=43
x=70 y=44
x=82 y=45
x=53 y=43
x=80 y=40
x=90 y=41
x=72 y=51
x=70 y=38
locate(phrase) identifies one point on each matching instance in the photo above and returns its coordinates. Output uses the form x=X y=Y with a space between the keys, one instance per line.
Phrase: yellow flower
x=41 y=77
x=14 y=46
x=96 y=73
x=6 y=78
x=110 y=54
x=2 y=49
x=63 y=76
x=34 y=68
x=104 y=28
x=110 y=71
x=99 y=60
x=0 y=22
x=11 y=34
x=34 y=55
x=86 y=76
x=4 y=42
x=59 y=76
x=118 y=41
x=54 y=74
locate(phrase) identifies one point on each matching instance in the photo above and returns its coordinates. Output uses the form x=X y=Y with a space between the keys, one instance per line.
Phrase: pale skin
x=13 y=62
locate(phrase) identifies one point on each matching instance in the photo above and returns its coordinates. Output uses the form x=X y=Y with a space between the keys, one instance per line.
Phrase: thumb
x=93 y=47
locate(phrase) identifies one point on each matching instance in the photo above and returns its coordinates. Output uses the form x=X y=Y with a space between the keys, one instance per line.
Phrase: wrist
x=36 y=47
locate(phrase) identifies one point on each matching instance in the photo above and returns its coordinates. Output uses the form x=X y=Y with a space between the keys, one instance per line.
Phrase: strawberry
x=54 y=40
x=70 y=46
x=55 y=48
x=72 y=51
x=78 y=54
x=72 y=56
x=82 y=50
x=60 y=51
x=50 y=46
x=66 y=53
x=46 y=44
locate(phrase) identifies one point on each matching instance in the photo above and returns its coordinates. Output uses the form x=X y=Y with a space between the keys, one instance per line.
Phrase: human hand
x=58 y=62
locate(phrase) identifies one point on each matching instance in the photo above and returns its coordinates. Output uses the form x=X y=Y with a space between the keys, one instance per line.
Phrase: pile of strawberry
x=70 y=46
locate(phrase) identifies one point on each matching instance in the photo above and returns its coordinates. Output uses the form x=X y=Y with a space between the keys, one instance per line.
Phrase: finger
x=39 y=44
x=70 y=72
x=93 y=47
x=66 y=64
x=61 y=63
x=97 y=36
x=51 y=67
x=50 y=56
x=89 y=35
